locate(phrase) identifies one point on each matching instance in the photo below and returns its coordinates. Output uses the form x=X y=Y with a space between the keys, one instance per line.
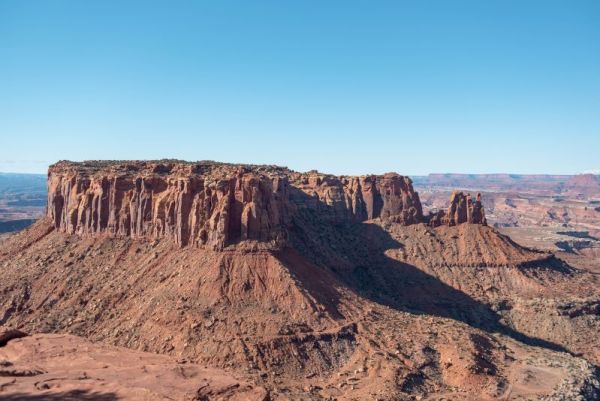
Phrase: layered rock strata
x=204 y=204
x=462 y=210
x=389 y=196
x=215 y=204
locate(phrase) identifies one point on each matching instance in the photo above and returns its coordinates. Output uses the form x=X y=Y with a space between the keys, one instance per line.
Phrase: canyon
x=22 y=201
x=259 y=282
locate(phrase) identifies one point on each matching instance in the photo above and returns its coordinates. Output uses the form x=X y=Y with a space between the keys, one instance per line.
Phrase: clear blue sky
x=340 y=86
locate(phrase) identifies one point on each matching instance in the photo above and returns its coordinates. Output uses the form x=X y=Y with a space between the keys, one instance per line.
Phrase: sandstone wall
x=389 y=197
x=213 y=204
x=192 y=205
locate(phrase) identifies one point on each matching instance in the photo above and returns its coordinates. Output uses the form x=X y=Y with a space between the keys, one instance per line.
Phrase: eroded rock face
x=389 y=196
x=212 y=204
x=194 y=204
x=462 y=209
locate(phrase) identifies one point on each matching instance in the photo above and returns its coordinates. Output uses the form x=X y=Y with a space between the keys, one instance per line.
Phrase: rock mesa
x=216 y=204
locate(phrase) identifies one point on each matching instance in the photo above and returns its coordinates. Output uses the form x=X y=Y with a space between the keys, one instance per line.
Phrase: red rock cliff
x=390 y=196
x=202 y=204
x=462 y=209
x=214 y=204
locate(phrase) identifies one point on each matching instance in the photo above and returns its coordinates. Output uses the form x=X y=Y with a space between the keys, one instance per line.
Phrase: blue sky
x=346 y=87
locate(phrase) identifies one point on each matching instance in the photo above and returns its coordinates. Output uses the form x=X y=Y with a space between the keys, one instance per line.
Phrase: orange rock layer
x=462 y=210
x=214 y=204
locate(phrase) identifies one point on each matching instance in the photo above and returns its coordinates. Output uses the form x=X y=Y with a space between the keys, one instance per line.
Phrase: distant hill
x=586 y=184
x=20 y=183
x=22 y=200
x=544 y=183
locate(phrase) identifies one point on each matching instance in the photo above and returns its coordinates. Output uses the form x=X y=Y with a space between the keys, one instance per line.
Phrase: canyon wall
x=215 y=204
x=203 y=204
x=389 y=196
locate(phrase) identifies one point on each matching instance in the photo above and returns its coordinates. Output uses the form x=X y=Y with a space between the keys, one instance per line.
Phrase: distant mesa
x=585 y=184
x=545 y=184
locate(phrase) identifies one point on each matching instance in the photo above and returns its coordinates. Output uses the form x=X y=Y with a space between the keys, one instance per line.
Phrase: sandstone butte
x=261 y=283
x=215 y=204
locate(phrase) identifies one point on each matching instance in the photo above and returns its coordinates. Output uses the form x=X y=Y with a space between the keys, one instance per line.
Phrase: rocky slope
x=310 y=286
x=565 y=222
x=64 y=367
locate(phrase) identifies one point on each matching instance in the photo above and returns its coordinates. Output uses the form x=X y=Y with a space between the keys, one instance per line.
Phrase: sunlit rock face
x=462 y=210
x=215 y=204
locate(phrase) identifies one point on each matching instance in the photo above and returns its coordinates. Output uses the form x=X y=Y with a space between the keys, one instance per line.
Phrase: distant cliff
x=545 y=184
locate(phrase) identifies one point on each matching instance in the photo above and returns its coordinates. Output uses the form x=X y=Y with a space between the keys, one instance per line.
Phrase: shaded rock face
x=462 y=209
x=214 y=205
x=389 y=197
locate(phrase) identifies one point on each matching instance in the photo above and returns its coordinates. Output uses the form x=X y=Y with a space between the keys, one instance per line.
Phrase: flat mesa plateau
x=171 y=280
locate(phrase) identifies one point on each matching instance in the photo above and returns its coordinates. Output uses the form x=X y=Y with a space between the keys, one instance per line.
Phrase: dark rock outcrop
x=10 y=334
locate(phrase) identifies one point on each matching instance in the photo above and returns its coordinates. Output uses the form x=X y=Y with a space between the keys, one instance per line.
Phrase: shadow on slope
x=73 y=395
x=355 y=253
